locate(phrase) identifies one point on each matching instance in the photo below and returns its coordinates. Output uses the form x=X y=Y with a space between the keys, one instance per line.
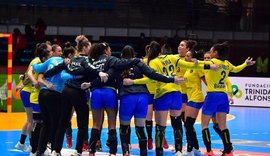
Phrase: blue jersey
x=58 y=80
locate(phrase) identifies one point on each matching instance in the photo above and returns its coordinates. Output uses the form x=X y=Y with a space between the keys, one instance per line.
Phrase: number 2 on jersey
x=223 y=74
x=169 y=71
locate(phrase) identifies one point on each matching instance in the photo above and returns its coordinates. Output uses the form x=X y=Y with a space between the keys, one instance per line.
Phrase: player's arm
x=42 y=82
x=41 y=67
x=192 y=65
x=31 y=76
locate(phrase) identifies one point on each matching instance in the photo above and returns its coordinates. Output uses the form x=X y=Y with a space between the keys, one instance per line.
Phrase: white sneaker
x=47 y=151
x=196 y=152
x=29 y=149
x=76 y=154
x=32 y=154
x=21 y=147
x=178 y=153
x=55 y=154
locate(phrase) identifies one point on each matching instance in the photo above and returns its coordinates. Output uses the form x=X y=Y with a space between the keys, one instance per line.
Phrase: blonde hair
x=81 y=41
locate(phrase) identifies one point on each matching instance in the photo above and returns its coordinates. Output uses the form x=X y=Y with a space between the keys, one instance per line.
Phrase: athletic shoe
x=85 y=147
x=69 y=141
x=29 y=149
x=98 y=146
x=21 y=147
x=112 y=154
x=91 y=154
x=178 y=153
x=76 y=154
x=196 y=152
x=47 y=151
x=165 y=144
x=211 y=153
x=55 y=154
x=150 y=143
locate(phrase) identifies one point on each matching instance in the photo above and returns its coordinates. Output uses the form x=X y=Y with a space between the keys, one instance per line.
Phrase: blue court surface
x=249 y=129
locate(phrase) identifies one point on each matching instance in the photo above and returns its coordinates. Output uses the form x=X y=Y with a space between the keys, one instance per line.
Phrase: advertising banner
x=251 y=91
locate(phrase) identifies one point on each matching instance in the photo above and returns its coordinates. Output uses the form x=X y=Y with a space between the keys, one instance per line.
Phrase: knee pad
x=142 y=140
x=160 y=133
x=176 y=122
x=125 y=137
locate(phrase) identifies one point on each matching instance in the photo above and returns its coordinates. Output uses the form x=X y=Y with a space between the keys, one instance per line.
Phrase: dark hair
x=222 y=49
x=42 y=45
x=42 y=53
x=68 y=49
x=81 y=41
x=191 y=44
x=154 y=51
x=166 y=49
x=197 y=54
x=127 y=52
x=98 y=50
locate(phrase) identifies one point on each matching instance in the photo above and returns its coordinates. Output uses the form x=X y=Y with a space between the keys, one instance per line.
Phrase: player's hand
x=230 y=100
x=249 y=61
x=50 y=86
x=179 y=80
x=214 y=67
x=128 y=82
x=21 y=77
x=103 y=76
x=85 y=85
x=195 y=61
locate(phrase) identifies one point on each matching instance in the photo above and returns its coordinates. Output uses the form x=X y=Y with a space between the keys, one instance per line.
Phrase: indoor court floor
x=249 y=128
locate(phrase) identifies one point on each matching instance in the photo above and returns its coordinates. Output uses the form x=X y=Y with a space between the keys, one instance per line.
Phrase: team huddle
x=57 y=83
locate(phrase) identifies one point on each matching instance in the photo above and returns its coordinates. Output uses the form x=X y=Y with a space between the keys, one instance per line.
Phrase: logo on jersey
x=236 y=91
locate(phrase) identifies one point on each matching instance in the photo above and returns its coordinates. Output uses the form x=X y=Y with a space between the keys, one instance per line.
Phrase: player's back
x=164 y=64
x=215 y=79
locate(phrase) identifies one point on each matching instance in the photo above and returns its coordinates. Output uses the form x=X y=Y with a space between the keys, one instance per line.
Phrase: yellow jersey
x=193 y=85
x=166 y=65
x=34 y=91
x=216 y=79
x=180 y=71
x=28 y=86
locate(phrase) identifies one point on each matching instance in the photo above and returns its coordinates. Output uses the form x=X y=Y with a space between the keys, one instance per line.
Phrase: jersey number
x=223 y=74
x=169 y=71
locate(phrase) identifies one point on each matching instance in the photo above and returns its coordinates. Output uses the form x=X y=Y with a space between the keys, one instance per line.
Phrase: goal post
x=9 y=70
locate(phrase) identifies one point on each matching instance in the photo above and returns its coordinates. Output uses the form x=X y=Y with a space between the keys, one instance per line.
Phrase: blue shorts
x=184 y=98
x=25 y=96
x=133 y=105
x=35 y=107
x=168 y=101
x=150 y=99
x=215 y=102
x=103 y=98
x=197 y=105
